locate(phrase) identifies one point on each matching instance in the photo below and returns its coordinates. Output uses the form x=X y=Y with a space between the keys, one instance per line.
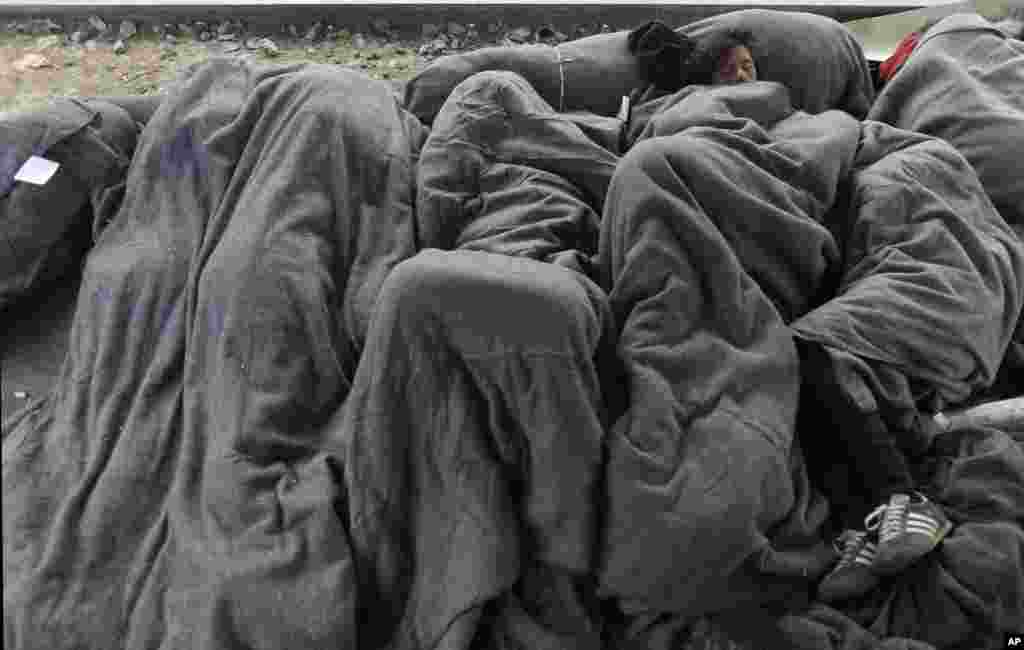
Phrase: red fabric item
x=899 y=57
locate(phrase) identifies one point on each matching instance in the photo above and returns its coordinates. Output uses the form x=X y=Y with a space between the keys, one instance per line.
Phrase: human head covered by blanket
x=724 y=58
x=1012 y=25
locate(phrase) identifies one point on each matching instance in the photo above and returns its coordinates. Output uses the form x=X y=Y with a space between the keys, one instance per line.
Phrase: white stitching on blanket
x=561 y=78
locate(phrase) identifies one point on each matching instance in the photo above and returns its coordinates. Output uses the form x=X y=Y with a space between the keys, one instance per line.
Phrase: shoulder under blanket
x=964 y=83
x=169 y=492
x=503 y=172
x=46 y=228
x=932 y=280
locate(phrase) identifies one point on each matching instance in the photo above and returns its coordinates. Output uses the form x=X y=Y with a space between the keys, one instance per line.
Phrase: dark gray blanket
x=283 y=424
x=710 y=243
x=964 y=83
x=169 y=492
x=720 y=228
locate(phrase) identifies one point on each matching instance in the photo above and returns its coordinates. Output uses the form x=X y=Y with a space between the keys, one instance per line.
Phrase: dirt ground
x=149 y=63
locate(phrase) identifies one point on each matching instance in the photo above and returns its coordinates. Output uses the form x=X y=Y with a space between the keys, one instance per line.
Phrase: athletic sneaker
x=852 y=576
x=909 y=527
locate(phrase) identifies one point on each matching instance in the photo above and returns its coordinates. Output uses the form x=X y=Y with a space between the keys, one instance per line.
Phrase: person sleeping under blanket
x=477 y=411
x=268 y=375
x=719 y=58
x=1012 y=25
x=903 y=523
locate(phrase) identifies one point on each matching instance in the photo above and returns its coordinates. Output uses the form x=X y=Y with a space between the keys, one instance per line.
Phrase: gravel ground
x=39 y=60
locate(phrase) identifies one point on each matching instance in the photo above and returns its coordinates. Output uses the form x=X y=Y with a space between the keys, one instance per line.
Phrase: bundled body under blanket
x=279 y=415
x=721 y=227
x=169 y=491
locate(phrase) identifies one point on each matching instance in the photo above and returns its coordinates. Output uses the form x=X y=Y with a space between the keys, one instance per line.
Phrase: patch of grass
x=149 y=65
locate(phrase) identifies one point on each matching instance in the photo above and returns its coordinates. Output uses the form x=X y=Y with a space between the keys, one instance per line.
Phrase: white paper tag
x=37 y=171
x=624 y=109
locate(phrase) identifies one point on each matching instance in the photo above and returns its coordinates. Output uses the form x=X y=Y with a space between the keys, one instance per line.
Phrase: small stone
x=315 y=32
x=380 y=27
x=91 y=44
x=127 y=30
x=545 y=34
x=605 y=29
x=32 y=62
x=434 y=47
x=359 y=42
x=97 y=24
x=20 y=394
x=269 y=47
x=36 y=26
x=205 y=36
x=430 y=30
x=170 y=39
x=520 y=34
x=45 y=42
x=455 y=29
x=120 y=47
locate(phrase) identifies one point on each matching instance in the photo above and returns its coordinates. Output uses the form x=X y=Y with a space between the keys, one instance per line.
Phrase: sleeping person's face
x=736 y=66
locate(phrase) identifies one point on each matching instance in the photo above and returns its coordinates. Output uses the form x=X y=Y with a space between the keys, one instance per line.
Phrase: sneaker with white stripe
x=908 y=527
x=852 y=576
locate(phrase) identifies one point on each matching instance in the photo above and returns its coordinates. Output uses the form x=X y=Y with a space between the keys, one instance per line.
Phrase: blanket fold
x=171 y=491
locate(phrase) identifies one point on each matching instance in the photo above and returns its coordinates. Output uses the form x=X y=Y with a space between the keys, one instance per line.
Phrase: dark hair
x=709 y=52
x=662 y=54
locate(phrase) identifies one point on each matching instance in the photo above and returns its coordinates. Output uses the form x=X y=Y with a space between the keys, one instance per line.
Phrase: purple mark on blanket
x=182 y=154
x=215 y=320
x=167 y=318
